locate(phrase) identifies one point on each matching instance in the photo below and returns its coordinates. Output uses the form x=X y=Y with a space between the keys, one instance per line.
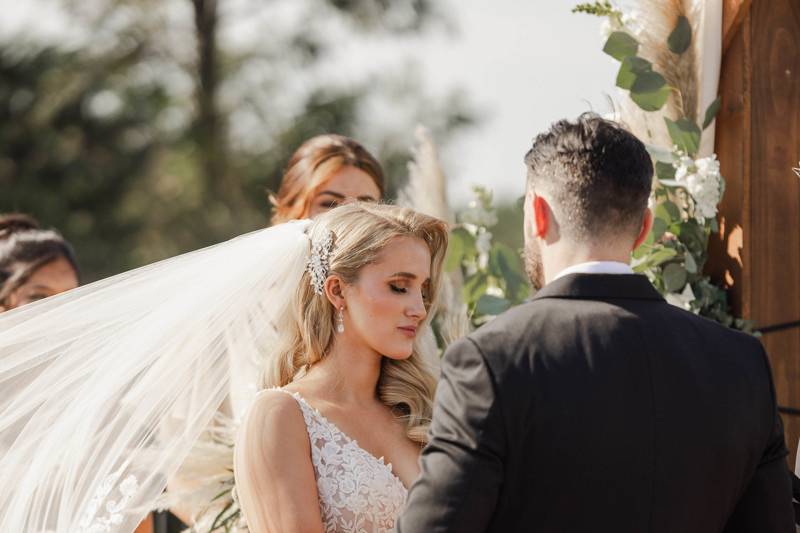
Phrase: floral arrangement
x=492 y=272
x=688 y=188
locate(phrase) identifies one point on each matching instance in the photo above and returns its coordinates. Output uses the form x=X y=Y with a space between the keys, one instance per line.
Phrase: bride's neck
x=349 y=373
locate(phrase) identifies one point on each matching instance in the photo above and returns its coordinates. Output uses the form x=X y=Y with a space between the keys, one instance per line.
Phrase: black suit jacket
x=599 y=407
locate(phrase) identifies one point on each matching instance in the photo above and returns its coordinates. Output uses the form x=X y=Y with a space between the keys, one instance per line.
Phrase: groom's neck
x=561 y=256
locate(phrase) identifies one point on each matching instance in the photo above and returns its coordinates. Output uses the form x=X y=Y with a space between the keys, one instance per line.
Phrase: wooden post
x=757 y=253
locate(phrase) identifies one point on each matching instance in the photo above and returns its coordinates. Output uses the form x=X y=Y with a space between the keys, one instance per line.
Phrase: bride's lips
x=409 y=331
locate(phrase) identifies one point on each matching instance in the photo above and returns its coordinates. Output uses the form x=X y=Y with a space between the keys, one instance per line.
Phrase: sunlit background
x=146 y=128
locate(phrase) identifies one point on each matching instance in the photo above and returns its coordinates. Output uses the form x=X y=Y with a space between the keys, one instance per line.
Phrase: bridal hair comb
x=318 y=264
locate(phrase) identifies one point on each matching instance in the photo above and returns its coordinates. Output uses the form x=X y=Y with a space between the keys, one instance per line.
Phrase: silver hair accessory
x=318 y=264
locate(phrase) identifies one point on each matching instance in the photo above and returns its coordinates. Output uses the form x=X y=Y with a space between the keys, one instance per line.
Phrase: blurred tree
x=71 y=149
x=163 y=126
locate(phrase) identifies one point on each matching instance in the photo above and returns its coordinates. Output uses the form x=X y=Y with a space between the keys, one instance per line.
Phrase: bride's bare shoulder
x=275 y=415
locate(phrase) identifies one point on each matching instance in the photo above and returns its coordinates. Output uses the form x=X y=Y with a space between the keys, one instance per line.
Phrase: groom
x=597 y=406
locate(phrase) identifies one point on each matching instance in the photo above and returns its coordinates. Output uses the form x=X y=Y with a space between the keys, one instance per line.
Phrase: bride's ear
x=334 y=291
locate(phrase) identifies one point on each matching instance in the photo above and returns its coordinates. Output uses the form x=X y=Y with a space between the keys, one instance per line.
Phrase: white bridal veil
x=105 y=389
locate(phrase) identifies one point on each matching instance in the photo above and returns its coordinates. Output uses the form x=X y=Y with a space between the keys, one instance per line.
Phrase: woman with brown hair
x=324 y=172
x=34 y=263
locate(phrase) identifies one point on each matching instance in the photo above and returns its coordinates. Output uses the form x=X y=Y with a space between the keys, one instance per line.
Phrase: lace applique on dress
x=357 y=492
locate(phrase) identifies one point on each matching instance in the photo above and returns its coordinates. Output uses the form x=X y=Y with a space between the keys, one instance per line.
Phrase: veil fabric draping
x=105 y=389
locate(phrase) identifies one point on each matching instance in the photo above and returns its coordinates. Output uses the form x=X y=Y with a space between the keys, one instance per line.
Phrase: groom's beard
x=533 y=265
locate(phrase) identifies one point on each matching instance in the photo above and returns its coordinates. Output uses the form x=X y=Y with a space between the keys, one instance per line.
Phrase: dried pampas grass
x=654 y=21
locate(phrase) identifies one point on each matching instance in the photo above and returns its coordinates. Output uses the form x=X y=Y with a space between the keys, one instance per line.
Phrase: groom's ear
x=644 y=231
x=541 y=216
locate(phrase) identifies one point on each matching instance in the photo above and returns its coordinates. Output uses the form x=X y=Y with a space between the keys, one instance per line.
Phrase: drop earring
x=340 y=320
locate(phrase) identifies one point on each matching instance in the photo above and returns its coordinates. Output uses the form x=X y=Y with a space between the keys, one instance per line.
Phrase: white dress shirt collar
x=596 y=267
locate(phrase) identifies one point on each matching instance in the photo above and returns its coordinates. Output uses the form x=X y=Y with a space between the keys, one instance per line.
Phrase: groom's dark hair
x=597 y=174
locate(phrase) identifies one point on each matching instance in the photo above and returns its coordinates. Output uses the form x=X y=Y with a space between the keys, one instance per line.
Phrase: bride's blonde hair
x=360 y=233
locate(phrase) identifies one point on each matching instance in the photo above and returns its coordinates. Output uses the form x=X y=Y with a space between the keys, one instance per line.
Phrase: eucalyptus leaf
x=690 y=264
x=711 y=112
x=668 y=211
x=681 y=37
x=663 y=255
x=694 y=237
x=474 y=286
x=675 y=277
x=664 y=171
x=506 y=264
x=620 y=45
x=650 y=91
x=491 y=305
x=659 y=228
x=630 y=68
x=461 y=246
x=455 y=251
x=685 y=134
x=658 y=255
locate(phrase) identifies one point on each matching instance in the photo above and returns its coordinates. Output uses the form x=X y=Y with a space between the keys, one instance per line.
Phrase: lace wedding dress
x=358 y=492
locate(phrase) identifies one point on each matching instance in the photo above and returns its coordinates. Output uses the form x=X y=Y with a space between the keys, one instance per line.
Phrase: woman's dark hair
x=24 y=248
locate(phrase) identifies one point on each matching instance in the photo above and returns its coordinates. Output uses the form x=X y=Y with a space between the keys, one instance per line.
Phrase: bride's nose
x=417 y=308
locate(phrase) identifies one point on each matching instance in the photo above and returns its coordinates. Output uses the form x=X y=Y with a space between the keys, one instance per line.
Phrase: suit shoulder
x=716 y=330
x=514 y=322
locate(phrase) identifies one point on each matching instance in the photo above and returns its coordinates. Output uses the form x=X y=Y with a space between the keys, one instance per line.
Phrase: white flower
x=702 y=180
x=651 y=202
x=684 y=299
x=495 y=291
x=483 y=242
x=477 y=215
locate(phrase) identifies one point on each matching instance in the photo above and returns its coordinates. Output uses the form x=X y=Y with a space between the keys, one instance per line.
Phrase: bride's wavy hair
x=360 y=232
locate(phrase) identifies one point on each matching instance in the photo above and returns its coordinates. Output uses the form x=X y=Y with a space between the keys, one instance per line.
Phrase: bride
x=337 y=446
x=104 y=390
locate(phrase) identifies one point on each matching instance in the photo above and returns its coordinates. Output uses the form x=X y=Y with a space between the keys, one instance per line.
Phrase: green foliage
x=67 y=162
x=106 y=143
x=631 y=68
x=600 y=9
x=650 y=91
x=711 y=112
x=492 y=271
x=681 y=37
x=684 y=134
x=620 y=45
x=647 y=87
x=676 y=250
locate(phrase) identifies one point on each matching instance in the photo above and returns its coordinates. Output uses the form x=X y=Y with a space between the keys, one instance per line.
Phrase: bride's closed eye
x=397 y=289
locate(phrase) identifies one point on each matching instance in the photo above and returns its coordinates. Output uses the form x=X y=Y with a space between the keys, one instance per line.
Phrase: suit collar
x=600 y=287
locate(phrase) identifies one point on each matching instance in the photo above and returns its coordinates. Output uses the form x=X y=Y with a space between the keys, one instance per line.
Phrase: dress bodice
x=358 y=492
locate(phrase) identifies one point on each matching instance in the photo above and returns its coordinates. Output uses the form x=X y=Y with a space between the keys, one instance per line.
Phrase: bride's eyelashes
x=397 y=289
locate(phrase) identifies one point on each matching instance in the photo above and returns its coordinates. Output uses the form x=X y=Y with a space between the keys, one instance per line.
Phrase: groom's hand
x=462 y=466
